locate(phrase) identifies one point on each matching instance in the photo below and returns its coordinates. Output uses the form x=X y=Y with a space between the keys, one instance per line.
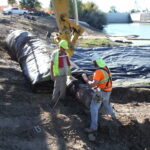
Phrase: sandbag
x=32 y=53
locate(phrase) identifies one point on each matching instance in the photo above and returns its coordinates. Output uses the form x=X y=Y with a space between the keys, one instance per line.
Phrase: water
x=140 y=29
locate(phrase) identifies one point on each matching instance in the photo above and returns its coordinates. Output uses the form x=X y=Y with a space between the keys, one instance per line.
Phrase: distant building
x=135 y=17
x=118 y=17
x=140 y=17
x=143 y=17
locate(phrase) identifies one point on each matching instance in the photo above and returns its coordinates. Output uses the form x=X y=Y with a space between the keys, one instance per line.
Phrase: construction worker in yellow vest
x=60 y=69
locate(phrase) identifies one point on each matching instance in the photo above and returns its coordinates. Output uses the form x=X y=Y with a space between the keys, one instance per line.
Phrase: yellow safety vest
x=56 y=70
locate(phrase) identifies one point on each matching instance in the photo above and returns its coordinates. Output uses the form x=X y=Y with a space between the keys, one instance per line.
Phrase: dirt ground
x=27 y=123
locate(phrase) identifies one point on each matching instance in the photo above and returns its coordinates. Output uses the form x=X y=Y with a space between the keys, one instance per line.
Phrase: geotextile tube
x=80 y=91
x=32 y=53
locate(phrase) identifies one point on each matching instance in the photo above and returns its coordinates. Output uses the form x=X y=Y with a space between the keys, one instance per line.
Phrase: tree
x=50 y=5
x=92 y=15
x=113 y=9
x=30 y=4
x=11 y=2
x=134 y=11
x=89 y=13
x=71 y=8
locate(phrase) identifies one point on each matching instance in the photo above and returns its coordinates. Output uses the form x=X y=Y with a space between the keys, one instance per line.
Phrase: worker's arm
x=92 y=83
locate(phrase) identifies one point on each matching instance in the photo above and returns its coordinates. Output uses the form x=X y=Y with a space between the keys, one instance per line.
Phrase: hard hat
x=94 y=57
x=100 y=62
x=63 y=44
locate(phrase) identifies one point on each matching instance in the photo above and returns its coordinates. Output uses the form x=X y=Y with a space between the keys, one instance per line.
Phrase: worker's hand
x=84 y=76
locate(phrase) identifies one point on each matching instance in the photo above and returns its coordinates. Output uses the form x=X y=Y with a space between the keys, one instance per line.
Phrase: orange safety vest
x=104 y=77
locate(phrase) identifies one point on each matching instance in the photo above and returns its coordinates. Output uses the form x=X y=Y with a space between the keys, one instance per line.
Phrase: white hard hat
x=94 y=57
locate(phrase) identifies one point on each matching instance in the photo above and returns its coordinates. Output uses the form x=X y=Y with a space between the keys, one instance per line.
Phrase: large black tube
x=32 y=53
x=80 y=91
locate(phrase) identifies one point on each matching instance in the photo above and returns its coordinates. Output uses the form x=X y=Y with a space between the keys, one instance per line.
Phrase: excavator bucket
x=68 y=30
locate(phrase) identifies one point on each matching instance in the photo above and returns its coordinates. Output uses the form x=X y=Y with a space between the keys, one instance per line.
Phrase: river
x=140 y=29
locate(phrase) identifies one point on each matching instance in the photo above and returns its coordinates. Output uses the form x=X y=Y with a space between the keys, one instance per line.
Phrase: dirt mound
x=27 y=123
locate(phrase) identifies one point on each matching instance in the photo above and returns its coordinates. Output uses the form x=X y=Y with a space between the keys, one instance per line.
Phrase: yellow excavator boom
x=68 y=30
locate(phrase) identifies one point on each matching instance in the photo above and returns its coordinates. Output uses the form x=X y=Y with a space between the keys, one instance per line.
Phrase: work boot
x=90 y=130
x=116 y=121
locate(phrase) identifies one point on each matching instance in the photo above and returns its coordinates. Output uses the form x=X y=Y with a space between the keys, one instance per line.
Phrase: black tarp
x=130 y=65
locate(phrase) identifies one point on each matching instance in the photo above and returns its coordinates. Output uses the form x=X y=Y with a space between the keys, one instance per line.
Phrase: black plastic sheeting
x=128 y=64
x=32 y=54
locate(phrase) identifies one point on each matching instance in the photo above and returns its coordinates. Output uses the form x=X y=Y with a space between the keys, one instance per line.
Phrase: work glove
x=84 y=76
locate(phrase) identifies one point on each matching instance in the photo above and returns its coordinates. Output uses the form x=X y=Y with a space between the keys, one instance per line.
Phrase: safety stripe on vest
x=106 y=77
x=55 y=66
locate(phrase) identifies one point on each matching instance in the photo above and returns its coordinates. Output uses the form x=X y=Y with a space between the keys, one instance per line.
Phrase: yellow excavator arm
x=68 y=30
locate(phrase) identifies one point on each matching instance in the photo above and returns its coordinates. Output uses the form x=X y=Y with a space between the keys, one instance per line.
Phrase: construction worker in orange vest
x=60 y=69
x=102 y=84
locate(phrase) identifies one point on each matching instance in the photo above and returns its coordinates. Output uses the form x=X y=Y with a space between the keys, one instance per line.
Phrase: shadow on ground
x=69 y=121
x=128 y=95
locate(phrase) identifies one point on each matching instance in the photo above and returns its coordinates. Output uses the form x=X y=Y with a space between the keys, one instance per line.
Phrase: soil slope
x=27 y=123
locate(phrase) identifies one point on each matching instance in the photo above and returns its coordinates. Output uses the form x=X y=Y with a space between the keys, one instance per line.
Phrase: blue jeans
x=94 y=108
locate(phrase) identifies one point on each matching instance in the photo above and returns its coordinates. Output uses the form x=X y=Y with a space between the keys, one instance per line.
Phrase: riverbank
x=104 y=40
x=27 y=122
x=132 y=33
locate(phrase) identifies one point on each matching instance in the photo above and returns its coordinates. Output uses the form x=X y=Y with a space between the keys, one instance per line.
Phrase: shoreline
x=128 y=39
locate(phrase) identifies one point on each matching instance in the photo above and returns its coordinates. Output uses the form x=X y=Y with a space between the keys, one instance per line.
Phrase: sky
x=121 y=5
x=104 y=5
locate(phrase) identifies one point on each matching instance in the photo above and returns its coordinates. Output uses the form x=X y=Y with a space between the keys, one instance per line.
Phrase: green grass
x=102 y=42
